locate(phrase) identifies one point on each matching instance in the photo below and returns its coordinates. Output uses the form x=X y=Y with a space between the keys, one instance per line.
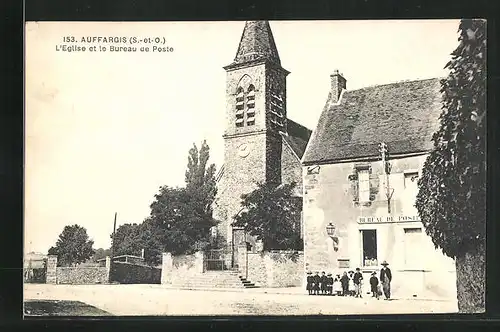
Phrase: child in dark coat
x=316 y=282
x=374 y=285
x=310 y=282
x=323 y=283
x=345 y=284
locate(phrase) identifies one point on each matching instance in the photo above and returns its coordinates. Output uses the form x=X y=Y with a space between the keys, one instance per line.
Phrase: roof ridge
x=396 y=82
x=404 y=114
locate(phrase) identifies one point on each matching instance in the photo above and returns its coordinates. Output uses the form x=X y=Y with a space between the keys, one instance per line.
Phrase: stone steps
x=214 y=279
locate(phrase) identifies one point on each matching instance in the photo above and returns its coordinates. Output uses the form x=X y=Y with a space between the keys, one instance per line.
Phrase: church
x=357 y=170
x=261 y=144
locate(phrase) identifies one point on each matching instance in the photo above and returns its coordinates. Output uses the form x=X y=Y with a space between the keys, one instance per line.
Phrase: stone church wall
x=240 y=176
x=291 y=169
x=276 y=268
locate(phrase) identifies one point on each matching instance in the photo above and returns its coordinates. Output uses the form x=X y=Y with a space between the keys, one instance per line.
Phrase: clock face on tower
x=244 y=150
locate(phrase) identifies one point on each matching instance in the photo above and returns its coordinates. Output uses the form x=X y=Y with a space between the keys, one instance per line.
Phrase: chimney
x=338 y=84
x=142 y=253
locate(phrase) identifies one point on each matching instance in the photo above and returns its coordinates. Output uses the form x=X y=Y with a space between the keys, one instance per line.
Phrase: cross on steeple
x=257 y=43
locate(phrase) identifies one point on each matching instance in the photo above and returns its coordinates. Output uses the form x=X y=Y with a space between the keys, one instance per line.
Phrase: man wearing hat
x=385 y=279
x=310 y=282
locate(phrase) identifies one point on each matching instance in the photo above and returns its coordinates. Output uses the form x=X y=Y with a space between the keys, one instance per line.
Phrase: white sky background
x=105 y=130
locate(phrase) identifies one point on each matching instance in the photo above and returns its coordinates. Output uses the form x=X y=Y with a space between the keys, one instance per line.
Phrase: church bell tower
x=255 y=116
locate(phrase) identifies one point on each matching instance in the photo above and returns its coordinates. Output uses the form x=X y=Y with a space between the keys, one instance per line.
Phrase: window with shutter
x=364 y=185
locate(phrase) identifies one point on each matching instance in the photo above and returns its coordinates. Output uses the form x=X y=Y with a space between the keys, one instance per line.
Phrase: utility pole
x=382 y=148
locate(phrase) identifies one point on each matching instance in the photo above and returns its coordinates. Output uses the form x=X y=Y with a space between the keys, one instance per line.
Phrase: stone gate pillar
x=243 y=260
x=199 y=255
x=51 y=273
x=166 y=268
x=108 y=269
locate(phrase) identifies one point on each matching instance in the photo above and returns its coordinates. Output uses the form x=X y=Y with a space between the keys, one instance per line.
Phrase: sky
x=104 y=130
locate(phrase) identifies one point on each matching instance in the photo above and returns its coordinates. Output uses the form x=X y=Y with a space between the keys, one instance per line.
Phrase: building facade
x=360 y=172
x=260 y=143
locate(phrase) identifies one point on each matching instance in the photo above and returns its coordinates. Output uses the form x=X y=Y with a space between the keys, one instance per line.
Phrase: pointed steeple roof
x=257 y=43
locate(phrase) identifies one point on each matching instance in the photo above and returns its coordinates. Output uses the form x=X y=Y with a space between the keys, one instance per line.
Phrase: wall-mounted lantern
x=330 y=230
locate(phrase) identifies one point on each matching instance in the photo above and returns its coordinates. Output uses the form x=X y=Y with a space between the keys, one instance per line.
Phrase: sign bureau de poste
x=387 y=219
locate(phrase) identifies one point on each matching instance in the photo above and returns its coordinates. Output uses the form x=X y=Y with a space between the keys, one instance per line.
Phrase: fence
x=217 y=260
x=34 y=270
x=35 y=276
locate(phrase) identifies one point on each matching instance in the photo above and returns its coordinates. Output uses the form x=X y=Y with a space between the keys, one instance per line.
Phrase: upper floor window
x=364 y=185
x=411 y=180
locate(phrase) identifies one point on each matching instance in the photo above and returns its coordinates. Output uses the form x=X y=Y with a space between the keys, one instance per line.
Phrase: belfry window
x=245 y=106
x=250 y=106
x=240 y=107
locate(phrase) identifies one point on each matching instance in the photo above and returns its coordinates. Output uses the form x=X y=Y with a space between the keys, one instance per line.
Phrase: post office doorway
x=369 y=256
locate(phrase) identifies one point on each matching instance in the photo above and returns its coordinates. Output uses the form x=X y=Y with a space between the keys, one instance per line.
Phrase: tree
x=200 y=179
x=73 y=246
x=452 y=189
x=272 y=214
x=180 y=218
x=127 y=240
x=101 y=253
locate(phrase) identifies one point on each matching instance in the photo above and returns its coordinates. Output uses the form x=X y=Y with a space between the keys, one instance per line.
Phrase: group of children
x=349 y=284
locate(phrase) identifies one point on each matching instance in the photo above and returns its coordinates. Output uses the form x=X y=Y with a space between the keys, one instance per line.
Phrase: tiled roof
x=403 y=115
x=297 y=137
x=257 y=42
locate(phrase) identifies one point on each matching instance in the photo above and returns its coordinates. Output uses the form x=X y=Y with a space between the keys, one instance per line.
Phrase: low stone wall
x=82 y=275
x=128 y=273
x=179 y=267
x=276 y=268
x=79 y=275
